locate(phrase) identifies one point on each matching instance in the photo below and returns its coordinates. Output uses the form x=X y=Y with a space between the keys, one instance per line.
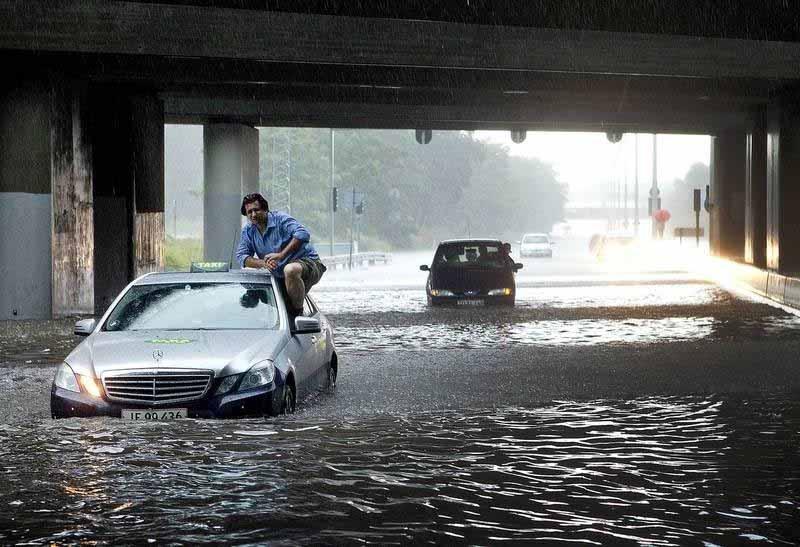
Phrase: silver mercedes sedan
x=217 y=345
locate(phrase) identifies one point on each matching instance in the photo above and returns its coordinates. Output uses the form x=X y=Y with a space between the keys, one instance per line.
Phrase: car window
x=192 y=306
x=535 y=239
x=308 y=308
x=466 y=254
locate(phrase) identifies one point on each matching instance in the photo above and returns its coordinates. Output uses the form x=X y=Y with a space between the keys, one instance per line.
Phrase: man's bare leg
x=295 y=287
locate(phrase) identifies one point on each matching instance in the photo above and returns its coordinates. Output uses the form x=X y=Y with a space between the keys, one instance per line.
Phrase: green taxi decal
x=169 y=341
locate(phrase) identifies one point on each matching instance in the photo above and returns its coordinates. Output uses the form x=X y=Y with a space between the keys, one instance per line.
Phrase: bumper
x=486 y=301
x=253 y=402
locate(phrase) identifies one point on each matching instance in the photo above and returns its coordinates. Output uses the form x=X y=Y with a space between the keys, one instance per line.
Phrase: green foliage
x=415 y=194
x=179 y=253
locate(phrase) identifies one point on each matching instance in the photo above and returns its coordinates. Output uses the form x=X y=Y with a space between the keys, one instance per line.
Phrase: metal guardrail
x=358 y=260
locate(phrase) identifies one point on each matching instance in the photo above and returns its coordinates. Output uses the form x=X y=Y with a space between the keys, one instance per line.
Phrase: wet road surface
x=659 y=411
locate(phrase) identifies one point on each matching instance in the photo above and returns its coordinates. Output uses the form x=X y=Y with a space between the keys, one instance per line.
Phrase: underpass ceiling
x=214 y=63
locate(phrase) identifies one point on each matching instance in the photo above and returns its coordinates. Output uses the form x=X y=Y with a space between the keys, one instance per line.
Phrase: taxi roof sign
x=205 y=267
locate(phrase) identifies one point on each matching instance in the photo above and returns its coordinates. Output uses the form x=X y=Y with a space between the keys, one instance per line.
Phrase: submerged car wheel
x=333 y=370
x=288 y=400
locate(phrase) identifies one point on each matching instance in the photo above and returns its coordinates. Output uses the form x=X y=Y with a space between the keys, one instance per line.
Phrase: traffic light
x=335 y=198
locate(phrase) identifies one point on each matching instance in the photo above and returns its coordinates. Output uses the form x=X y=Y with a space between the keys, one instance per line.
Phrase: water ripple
x=656 y=471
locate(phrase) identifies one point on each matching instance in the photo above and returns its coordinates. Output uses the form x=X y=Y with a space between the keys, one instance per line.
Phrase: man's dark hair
x=253 y=198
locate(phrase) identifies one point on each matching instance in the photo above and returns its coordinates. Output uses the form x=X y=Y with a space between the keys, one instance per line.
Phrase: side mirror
x=424 y=268
x=517 y=266
x=306 y=325
x=84 y=327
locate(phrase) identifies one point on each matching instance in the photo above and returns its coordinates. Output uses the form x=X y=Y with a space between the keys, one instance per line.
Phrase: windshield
x=470 y=254
x=534 y=239
x=195 y=306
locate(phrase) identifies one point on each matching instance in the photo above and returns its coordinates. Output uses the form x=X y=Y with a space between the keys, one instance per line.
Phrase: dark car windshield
x=194 y=306
x=469 y=254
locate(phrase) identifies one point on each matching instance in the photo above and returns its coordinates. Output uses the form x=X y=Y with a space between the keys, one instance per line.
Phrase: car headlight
x=65 y=378
x=441 y=292
x=91 y=386
x=227 y=384
x=500 y=292
x=259 y=375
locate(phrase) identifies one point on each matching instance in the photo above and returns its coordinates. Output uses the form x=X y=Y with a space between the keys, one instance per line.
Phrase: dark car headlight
x=501 y=292
x=260 y=374
x=441 y=292
x=65 y=379
x=227 y=384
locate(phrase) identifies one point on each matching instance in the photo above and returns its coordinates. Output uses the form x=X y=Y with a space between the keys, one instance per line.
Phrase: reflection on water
x=584 y=332
x=541 y=333
x=414 y=300
x=657 y=471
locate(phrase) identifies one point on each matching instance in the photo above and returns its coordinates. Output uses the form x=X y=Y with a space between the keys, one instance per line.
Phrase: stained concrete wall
x=73 y=207
x=231 y=171
x=25 y=274
x=25 y=202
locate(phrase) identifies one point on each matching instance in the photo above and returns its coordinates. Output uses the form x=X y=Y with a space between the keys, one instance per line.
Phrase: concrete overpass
x=89 y=85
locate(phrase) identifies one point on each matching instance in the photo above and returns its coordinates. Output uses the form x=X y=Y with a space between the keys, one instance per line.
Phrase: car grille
x=154 y=387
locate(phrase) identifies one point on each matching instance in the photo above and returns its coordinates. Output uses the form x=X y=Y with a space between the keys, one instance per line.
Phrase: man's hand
x=271 y=260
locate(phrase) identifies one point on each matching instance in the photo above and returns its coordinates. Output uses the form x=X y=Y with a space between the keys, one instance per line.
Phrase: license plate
x=470 y=302
x=153 y=415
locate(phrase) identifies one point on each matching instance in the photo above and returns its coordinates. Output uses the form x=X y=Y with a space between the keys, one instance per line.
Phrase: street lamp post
x=655 y=201
x=636 y=186
x=331 y=197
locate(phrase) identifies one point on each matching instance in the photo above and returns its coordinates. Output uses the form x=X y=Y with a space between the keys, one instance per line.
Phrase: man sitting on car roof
x=283 y=245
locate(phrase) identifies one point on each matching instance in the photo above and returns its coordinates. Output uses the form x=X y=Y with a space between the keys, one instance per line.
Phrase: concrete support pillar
x=755 y=242
x=727 y=222
x=25 y=202
x=783 y=190
x=73 y=223
x=147 y=114
x=128 y=144
x=230 y=172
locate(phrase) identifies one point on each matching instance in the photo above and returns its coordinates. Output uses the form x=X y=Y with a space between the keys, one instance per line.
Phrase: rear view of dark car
x=471 y=272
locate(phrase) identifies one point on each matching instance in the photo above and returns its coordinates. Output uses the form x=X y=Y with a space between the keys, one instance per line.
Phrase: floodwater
x=658 y=410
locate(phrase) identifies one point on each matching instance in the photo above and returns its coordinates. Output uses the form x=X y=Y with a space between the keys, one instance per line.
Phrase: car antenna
x=233 y=247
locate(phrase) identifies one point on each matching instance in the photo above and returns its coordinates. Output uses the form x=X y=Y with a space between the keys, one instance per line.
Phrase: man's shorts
x=312 y=271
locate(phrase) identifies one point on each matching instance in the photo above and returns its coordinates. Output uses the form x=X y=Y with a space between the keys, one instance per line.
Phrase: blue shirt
x=281 y=228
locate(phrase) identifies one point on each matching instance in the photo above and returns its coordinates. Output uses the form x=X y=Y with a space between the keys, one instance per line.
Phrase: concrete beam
x=584 y=115
x=131 y=28
x=230 y=172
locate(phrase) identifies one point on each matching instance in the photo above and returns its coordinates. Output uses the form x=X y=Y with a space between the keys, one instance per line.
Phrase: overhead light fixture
x=518 y=135
x=614 y=136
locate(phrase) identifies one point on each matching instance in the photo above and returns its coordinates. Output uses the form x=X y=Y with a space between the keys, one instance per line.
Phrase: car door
x=317 y=354
x=307 y=349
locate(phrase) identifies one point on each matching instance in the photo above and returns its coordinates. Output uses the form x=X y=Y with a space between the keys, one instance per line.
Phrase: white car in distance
x=536 y=244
